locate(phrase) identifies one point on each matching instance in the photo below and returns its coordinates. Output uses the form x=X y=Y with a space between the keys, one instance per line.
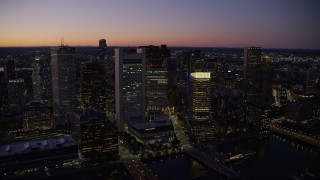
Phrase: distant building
x=304 y=109
x=9 y=69
x=64 y=80
x=102 y=49
x=16 y=92
x=3 y=89
x=130 y=85
x=200 y=96
x=96 y=135
x=280 y=94
x=26 y=74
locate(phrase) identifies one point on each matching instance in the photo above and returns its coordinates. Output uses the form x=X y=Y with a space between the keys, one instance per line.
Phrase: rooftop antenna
x=62 y=41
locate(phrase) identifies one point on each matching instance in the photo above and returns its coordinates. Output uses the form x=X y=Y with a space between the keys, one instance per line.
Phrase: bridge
x=138 y=170
x=215 y=165
x=296 y=134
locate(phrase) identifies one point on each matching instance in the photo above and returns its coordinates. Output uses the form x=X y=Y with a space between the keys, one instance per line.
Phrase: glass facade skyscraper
x=64 y=79
x=200 y=95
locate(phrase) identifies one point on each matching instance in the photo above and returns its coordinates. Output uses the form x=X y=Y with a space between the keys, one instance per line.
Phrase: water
x=277 y=157
x=180 y=167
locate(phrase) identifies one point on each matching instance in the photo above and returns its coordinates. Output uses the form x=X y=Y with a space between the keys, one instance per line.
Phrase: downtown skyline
x=269 y=24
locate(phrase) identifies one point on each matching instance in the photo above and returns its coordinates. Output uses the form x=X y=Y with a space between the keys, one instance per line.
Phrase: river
x=277 y=157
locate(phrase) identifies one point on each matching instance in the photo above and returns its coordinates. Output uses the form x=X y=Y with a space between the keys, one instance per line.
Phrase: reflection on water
x=277 y=157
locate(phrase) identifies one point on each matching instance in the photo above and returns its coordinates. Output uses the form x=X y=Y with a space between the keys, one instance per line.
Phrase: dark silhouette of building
x=92 y=80
x=64 y=80
x=102 y=49
x=41 y=78
x=258 y=74
x=96 y=135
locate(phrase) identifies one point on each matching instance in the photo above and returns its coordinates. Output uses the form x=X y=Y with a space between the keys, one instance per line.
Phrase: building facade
x=64 y=79
x=200 y=95
x=130 y=85
x=157 y=96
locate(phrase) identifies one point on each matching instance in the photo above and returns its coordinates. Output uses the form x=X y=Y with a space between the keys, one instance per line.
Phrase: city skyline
x=271 y=24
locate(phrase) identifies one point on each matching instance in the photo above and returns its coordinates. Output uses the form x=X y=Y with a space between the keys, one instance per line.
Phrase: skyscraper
x=93 y=78
x=157 y=96
x=16 y=92
x=41 y=78
x=130 y=85
x=200 y=95
x=37 y=75
x=102 y=49
x=96 y=135
x=258 y=75
x=64 y=79
x=252 y=71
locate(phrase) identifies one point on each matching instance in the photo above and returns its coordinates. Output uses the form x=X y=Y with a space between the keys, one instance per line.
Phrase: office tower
x=41 y=78
x=130 y=85
x=9 y=69
x=156 y=55
x=25 y=74
x=196 y=61
x=96 y=135
x=64 y=79
x=38 y=116
x=16 y=92
x=200 y=96
x=102 y=49
x=280 y=94
x=252 y=73
x=184 y=71
x=157 y=96
x=92 y=81
x=3 y=89
x=36 y=79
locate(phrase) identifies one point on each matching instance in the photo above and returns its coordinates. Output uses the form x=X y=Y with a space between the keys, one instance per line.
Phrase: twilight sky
x=212 y=23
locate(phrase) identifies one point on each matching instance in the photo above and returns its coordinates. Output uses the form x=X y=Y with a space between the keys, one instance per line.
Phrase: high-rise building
x=196 y=61
x=41 y=78
x=252 y=73
x=9 y=69
x=200 y=96
x=92 y=78
x=64 y=79
x=16 y=92
x=37 y=116
x=102 y=49
x=3 y=89
x=130 y=85
x=36 y=79
x=157 y=96
x=96 y=135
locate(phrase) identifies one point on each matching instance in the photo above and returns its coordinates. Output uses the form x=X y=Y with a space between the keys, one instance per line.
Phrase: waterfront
x=278 y=157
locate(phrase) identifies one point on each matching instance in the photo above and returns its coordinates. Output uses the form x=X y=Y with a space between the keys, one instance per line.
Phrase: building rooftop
x=36 y=145
x=145 y=125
